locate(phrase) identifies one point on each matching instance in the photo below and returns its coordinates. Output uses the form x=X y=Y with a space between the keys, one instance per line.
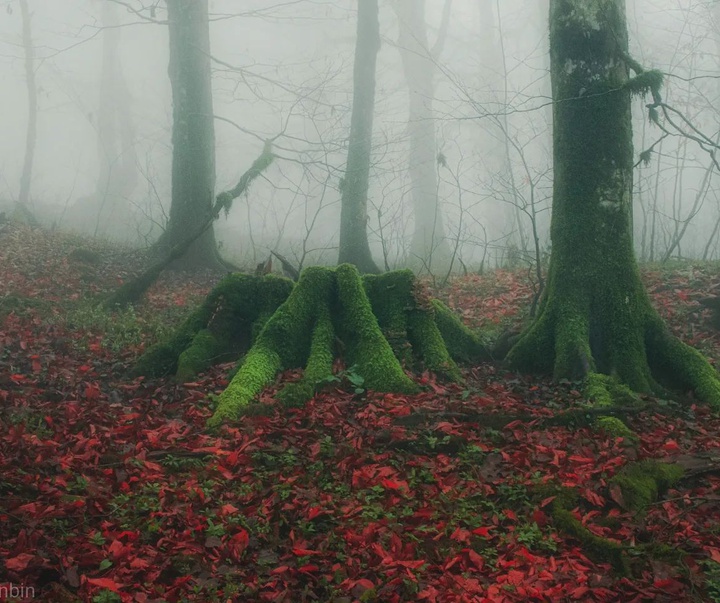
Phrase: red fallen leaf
x=579 y=592
x=474 y=558
x=19 y=563
x=139 y=563
x=461 y=535
x=510 y=514
x=36 y=365
x=92 y=391
x=581 y=460
x=671 y=446
x=397 y=485
x=714 y=553
x=547 y=501
x=313 y=512
x=280 y=569
x=483 y=532
x=593 y=497
x=309 y=568
x=105 y=583
x=228 y=509
x=302 y=552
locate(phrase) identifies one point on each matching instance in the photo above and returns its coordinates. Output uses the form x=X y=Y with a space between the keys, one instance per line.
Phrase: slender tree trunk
x=117 y=174
x=31 y=134
x=354 y=247
x=193 y=138
x=595 y=315
x=429 y=248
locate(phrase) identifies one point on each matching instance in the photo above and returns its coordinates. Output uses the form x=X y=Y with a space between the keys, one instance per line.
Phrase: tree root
x=383 y=322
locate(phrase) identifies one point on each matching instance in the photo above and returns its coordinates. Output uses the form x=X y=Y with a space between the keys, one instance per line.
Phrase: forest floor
x=111 y=489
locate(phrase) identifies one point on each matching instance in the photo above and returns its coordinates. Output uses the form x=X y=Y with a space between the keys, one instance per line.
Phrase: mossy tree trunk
x=193 y=136
x=354 y=246
x=383 y=323
x=596 y=315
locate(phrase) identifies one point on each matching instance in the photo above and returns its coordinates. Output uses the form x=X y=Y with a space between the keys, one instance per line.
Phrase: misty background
x=284 y=69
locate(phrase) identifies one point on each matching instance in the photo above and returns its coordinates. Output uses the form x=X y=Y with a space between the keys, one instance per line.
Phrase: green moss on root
x=599 y=549
x=462 y=344
x=205 y=350
x=680 y=366
x=605 y=391
x=642 y=483
x=319 y=364
x=367 y=347
x=292 y=327
x=229 y=312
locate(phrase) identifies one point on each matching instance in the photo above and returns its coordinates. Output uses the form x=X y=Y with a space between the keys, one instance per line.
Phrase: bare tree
x=193 y=161
x=354 y=246
x=118 y=174
x=31 y=132
x=429 y=245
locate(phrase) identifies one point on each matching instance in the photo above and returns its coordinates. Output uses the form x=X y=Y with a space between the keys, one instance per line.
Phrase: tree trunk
x=118 y=171
x=354 y=247
x=117 y=174
x=193 y=138
x=429 y=250
x=31 y=133
x=596 y=315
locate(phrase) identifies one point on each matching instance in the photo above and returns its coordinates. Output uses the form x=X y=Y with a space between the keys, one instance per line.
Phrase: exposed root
x=383 y=322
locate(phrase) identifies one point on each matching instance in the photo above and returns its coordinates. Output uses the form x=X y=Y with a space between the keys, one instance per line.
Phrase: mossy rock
x=380 y=324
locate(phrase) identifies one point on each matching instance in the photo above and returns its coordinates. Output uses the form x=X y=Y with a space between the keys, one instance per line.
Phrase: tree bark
x=596 y=315
x=429 y=249
x=31 y=133
x=193 y=138
x=354 y=246
x=117 y=176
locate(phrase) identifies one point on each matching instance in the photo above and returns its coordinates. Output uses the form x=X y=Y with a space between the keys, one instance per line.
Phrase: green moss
x=319 y=364
x=642 y=483
x=257 y=372
x=288 y=326
x=605 y=391
x=600 y=550
x=614 y=427
x=462 y=344
x=162 y=358
x=391 y=297
x=366 y=346
x=231 y=309
x=597 y=548
x=428 y=344
x=205 y=350
x=284 y=342
x=681 y=366
x=645 y=82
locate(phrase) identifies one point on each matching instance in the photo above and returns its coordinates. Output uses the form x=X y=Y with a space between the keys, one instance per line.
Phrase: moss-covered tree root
x=639 y=485
x=377 y=323
x=596 y=316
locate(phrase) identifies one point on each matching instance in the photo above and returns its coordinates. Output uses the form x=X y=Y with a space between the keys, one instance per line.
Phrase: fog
x=284 y=69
